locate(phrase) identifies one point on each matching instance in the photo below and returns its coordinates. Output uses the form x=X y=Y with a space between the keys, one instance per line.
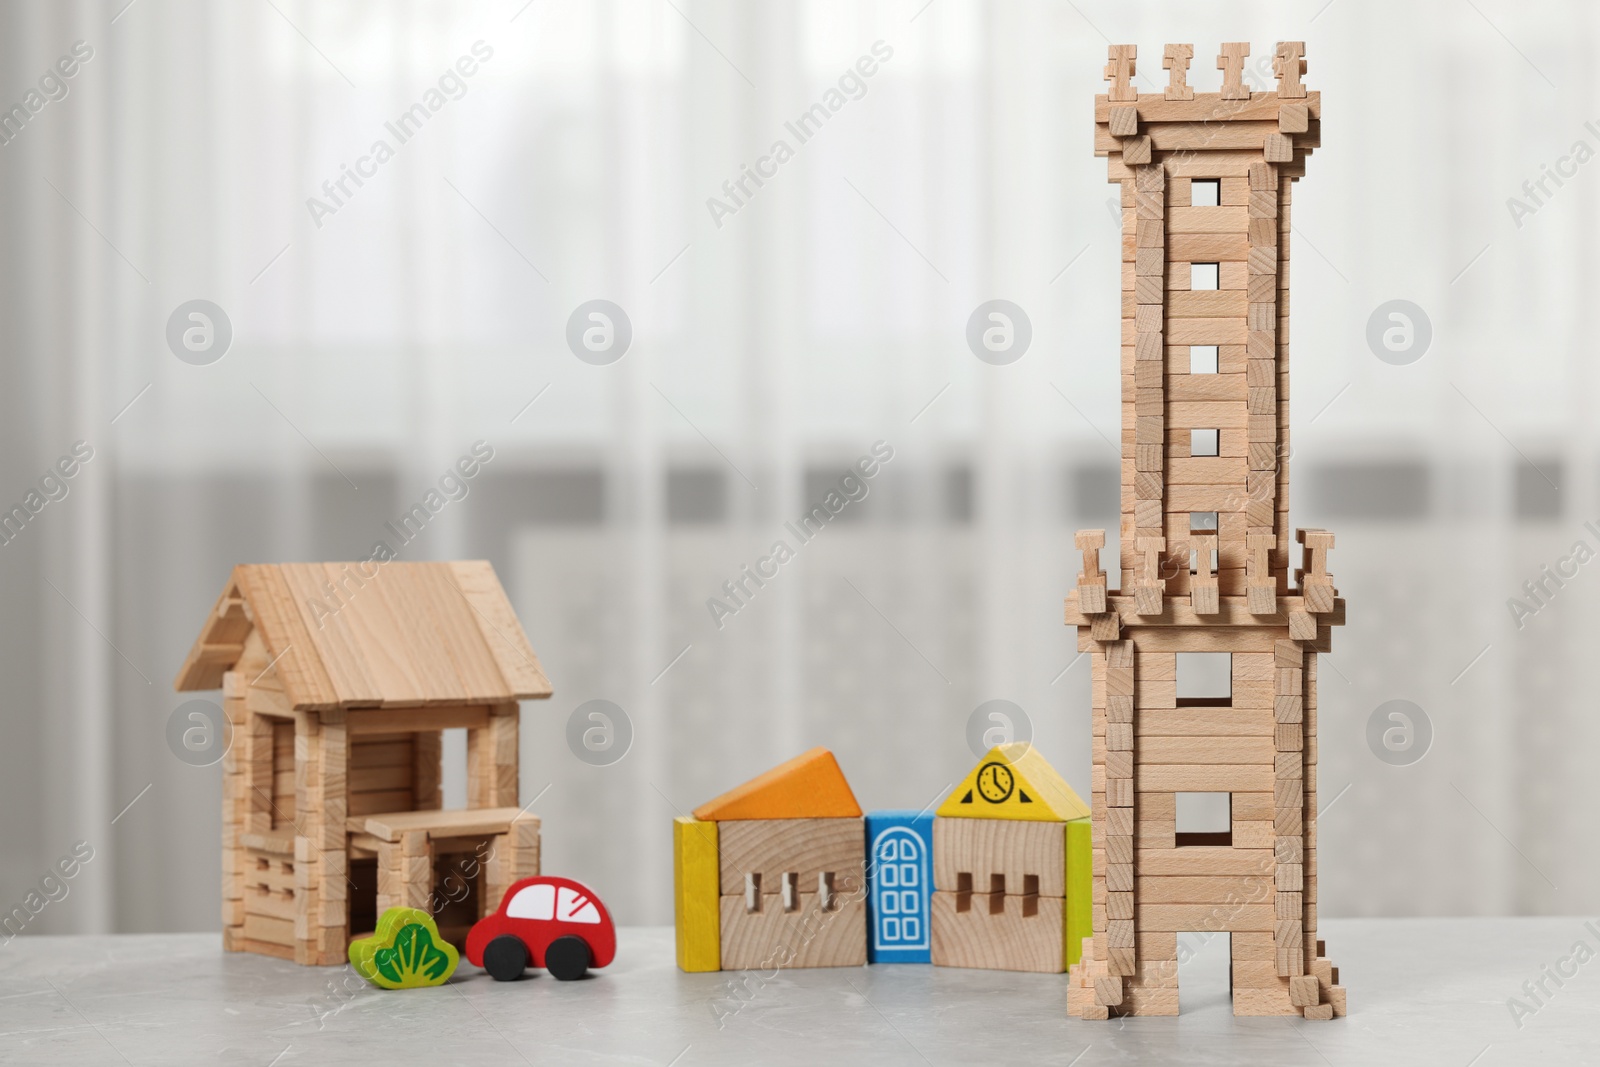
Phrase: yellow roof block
x=1014 y=782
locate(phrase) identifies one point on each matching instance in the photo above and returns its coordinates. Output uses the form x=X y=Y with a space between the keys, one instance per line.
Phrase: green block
x=1080 y=888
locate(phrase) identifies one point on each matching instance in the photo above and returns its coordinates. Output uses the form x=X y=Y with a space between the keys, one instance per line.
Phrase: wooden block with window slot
x=804 y=931
x=998 y=931
x=1000 y=855
x=769 y=850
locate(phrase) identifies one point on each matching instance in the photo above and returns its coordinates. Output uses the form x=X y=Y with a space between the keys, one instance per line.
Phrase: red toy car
x=554 y=923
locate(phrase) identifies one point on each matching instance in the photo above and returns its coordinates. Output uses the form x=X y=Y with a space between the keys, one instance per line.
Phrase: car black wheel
x=567 y=958
x=505 y=958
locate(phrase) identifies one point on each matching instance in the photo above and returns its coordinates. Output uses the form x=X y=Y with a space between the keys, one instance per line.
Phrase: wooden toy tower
x=1205 y=181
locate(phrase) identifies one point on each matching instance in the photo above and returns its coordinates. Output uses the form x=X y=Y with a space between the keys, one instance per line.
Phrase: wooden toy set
x=339 y=678
x=1021 y=880
x=998 y=877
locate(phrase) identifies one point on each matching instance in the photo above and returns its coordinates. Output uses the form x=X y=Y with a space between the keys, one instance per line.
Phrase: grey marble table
x=1421 y=991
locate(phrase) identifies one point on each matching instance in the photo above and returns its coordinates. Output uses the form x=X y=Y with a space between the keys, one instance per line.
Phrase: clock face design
x=995 y=782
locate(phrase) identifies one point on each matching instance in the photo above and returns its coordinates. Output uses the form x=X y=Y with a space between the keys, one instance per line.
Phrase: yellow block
x=695 y=888
x=1014 y=782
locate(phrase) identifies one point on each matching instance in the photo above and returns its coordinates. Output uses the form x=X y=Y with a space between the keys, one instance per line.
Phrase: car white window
x=534 y=902
x=574 y=907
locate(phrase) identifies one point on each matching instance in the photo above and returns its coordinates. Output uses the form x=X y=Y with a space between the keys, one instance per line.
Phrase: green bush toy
x=406 y=952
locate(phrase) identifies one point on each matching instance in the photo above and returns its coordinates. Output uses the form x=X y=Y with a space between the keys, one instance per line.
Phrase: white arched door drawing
x=899 y=890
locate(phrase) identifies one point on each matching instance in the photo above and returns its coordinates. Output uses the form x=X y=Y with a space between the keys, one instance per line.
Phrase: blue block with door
x=900 y=873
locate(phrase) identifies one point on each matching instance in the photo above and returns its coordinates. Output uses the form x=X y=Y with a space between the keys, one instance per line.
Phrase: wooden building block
x=1019 y=854
x=994 y=931
x=900 y=845
x=1262 y=1002
x=1321 y=1012
x=1303 y=991
x=1319 y=597
x=1176 y=59
x=1119 y=71
x=492 y=760
x=1119 y=791
x=1106 y=627
x=802 y=850
x=810 y=786
x=1231 y=63
x=1289 y=64
x=1108 y=991
x=696 y=895
x=1079 y=886
x=1014 y=781
x=808 y=935
x=1289 y=947
x=523 y=846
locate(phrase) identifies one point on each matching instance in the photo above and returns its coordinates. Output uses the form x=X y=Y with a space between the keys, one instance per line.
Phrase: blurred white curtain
x=769 y=352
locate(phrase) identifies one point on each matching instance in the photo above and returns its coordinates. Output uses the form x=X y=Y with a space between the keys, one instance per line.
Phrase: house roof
x=410 y=634
x=810 y=786
x=1014 y=782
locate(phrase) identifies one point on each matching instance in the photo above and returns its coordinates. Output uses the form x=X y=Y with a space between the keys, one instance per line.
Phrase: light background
x=768 y=354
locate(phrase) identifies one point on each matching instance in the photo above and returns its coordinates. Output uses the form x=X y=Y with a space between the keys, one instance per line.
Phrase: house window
x=1204 y=276
x=1205 y=192
x=1204 y=442
x=1202 y=522
x=1204 y=819
x=791 y=891
x=1030 y=895
x=1202 y=359
x=1205 y=679
x=752 y=892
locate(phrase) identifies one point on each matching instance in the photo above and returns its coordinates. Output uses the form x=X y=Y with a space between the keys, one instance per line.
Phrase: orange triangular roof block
x=810 y=786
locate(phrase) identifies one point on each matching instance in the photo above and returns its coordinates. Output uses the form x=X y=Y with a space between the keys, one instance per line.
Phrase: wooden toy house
x=773 y=873
x=337 y=681
x=1010 y=867
x=1205 y=180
